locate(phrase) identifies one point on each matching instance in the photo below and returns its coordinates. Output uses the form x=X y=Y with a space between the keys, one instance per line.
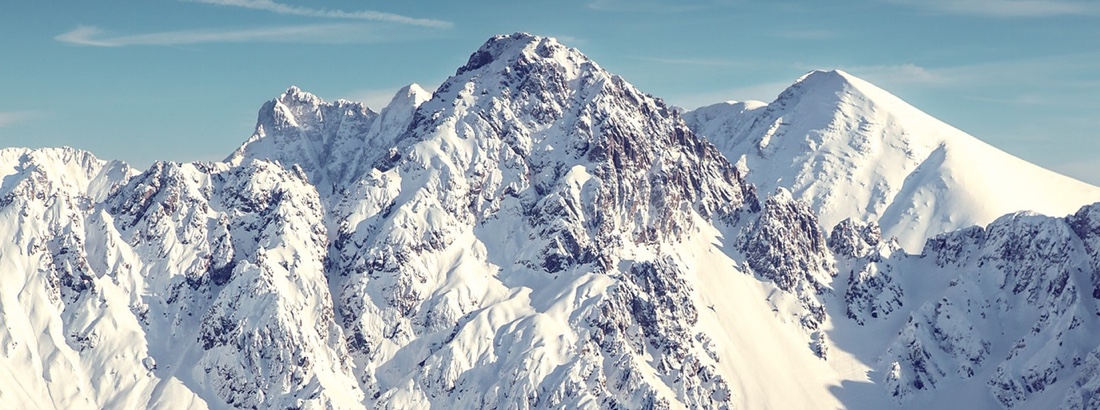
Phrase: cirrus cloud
x=1005 y=8
x=9 y=118
x=286 y=9
x=311 y=33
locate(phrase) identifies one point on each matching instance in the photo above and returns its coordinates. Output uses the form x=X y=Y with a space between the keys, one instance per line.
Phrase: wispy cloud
x=756 y=92
x=286 y=9
x=1055 y=71
x=654 y=6
x=1036 y=80
x=10 y=118
x=376 y=99
x=1005 y=8
x=1021 y=99
x=338 y=33
x=570 y=40
x=902 y=74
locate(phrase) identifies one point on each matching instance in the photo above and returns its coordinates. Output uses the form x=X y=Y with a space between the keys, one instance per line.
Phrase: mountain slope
x=852 y=150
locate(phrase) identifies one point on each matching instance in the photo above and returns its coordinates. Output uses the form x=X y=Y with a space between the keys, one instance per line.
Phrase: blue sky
x=182 y=80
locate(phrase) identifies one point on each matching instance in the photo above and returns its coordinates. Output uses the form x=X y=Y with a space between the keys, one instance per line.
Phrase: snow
x=853 y=150
x=756 y=334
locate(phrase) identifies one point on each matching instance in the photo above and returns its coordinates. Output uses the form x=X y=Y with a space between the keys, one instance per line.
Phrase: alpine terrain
x=538 y=233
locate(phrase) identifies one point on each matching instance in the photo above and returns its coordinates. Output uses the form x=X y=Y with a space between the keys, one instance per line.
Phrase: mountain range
x=538 y=233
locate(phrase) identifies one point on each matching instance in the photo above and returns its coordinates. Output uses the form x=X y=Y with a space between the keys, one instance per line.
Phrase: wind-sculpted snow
x=538 y=233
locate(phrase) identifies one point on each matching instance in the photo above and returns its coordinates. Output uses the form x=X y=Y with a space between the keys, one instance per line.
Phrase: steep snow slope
x=852 y=150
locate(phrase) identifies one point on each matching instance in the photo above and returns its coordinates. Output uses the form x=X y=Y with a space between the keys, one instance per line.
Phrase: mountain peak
x=833 y=76
x=840 y=87
x=823 y=84
x=832 y=132
x=542 y=76
x=295 y=96
x=540 y=233
x=412 y=94
x=511 y=48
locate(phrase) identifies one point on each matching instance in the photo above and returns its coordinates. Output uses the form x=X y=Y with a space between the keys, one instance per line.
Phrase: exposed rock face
x=786 y=246
x=855 y=239
x=872 y=290
x=334 y=143
x=233 y=260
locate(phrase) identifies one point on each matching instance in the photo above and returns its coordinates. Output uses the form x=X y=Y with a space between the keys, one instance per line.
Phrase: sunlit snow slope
x=853 y=150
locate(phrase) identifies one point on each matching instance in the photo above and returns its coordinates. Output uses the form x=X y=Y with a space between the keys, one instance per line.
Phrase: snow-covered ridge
x=536 y=233
x=853 y=150
x=335 y=143
x=63 y=170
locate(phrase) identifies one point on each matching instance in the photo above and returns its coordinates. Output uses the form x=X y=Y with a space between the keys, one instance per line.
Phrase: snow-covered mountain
x=536 y=233
x=852 y=150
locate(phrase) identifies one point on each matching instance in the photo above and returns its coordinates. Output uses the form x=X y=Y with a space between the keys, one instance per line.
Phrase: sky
x=182 y=80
